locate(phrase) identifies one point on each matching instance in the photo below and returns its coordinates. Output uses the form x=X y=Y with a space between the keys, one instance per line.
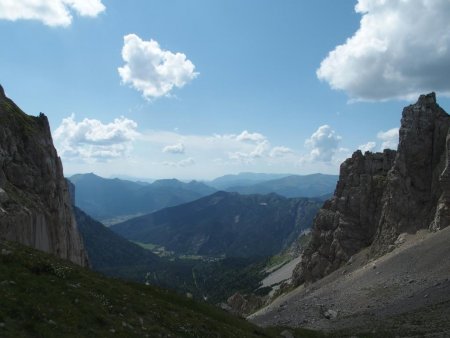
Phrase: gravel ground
x=405 y=293
x=281 y=274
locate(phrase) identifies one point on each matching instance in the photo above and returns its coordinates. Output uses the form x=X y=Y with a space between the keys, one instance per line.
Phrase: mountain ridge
x=313 y=185
x=104 y=198
x=225 y=223
x=242 y=179
x=35 y=207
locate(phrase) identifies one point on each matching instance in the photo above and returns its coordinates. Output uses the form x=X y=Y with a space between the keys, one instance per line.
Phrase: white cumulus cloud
x=254 y=145
x=50 y=12
x=151 y=70
x=280 y=151
x=369 y=146
x=91 y=139
x=401 y=49
x=324 y=143
x=258 y=151
x=388 y=138
x=251 y=137
x=174 y=149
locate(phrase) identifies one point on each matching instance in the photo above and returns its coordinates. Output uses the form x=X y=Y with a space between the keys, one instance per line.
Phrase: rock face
x=35 y=206
x=414 y=187
x=382 y=195
x=348 y=221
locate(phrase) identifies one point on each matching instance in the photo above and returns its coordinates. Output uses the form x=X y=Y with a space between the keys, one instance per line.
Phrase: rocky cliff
x=35 y=206
x=381 y=195
x=417 y=187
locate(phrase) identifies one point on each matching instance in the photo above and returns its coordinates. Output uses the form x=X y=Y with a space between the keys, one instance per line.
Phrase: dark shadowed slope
x=115 y=256
x=42 y=296
x=112 y=254
x=225 y=224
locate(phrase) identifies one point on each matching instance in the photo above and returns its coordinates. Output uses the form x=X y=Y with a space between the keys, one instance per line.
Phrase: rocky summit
x=35 y=206
x=379 y=196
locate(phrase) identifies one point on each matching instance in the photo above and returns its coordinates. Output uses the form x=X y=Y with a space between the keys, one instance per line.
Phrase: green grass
x=156 y=249
x=14 y=114
x=162 y=252
x=193 y=257
x=277 y=260
x=147 y=246
x=42 y=296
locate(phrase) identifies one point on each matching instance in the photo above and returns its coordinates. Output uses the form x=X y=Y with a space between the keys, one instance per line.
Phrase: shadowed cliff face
x=415 y=197
x=35 y=207
x=348 y=221
x=382 y=195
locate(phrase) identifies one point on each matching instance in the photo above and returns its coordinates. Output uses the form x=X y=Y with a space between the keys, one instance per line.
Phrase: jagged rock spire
x=379 y=196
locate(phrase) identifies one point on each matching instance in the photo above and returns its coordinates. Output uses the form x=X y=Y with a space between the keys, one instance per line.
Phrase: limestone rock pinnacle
x=381 y=195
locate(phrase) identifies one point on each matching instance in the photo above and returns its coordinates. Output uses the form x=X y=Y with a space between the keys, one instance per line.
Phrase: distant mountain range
x=115 y=200
x=314 y=185
x=242 y=180
x=225 y=224
x=104 y=198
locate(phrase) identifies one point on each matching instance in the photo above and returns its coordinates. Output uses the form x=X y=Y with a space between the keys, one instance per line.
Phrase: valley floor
x=404 y=293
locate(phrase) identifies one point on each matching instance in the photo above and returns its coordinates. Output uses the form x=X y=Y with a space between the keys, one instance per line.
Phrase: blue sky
x=198 y=89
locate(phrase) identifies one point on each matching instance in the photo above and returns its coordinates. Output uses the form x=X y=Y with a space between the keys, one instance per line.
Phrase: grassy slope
x=42 y=296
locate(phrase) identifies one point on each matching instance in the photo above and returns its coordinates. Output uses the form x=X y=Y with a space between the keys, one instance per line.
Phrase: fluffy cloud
x=50 y=12
x=323 y=143
x=91 y=139
x=369 y=146
x=251 y=137
x=388 y=138
x=151 y=70
x=258 y=151
x=174 y=149
x=401 y=49
x=228 y=149
x=253 y=145
x=209 y=156
x=280 y=151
